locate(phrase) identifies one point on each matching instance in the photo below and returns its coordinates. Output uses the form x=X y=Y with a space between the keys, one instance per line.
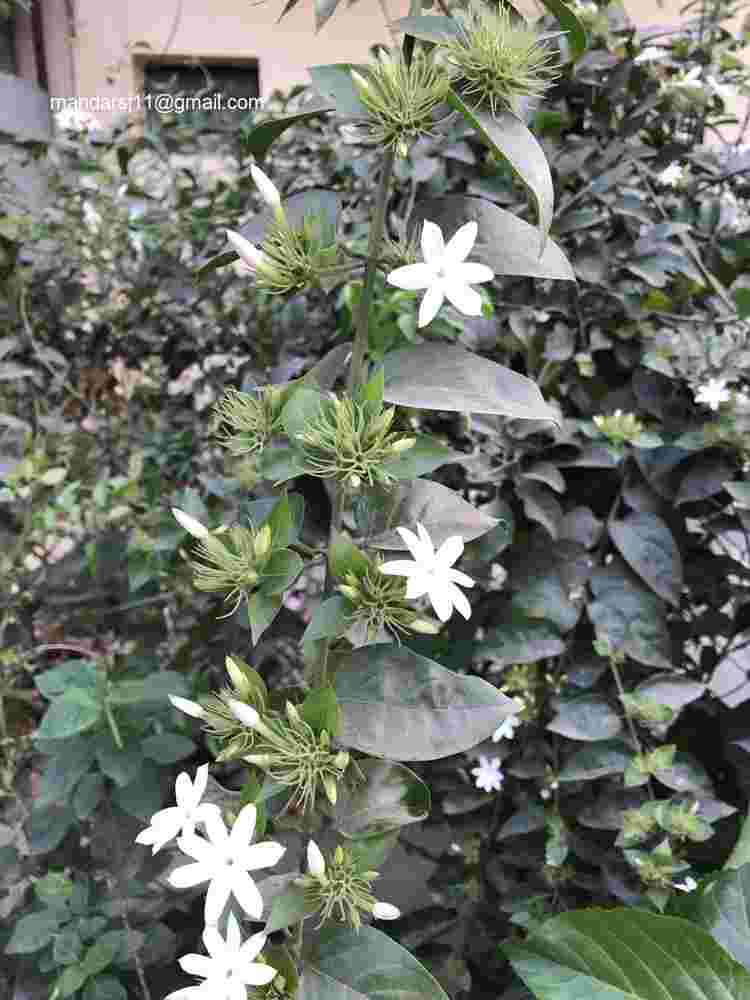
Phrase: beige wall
x=98 y=53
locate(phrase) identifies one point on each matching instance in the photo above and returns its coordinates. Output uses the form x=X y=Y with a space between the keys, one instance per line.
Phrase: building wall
x=96 y=47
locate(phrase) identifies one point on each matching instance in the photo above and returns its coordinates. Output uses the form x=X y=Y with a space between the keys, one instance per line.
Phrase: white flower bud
x=188 y=707
x=268 y=190
x=245 y=714
x=190 y=524
x=250 y=255
x=385 y=911
x=315 y=861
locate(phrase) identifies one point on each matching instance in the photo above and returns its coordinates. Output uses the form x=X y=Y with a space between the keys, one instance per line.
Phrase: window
x=210 y=93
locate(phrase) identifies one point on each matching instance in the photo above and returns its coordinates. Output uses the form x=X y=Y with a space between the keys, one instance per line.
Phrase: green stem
x=114 y=727
x=356 y=367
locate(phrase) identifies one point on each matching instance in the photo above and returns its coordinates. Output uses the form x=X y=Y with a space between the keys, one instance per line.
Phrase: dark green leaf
x=68 y=761
x=329 y=618
x=316 y=985
x=633 y=954
x=288 y=908
x=513 y=141
x=74 y=712
x=72 y=673
x=576 y=33
x=280 y=464
x=334 y=82
x=262 y=137
x=593 y=762
x=32 y=932
x=424 y=456
x=280 y=572
x=390 y=796
x=428 y=28
x=167 y=748
x=153 y=691
x=320 y=710
x=647 y=545
x=101 y=954
x=88 y=795
x=142 y=797
x=722 y=907
x=303 y=407
x=261 y=611
x=373 y=964
x=521 y=640
x=49 y=827
x=70 y=981
x=104 y=988
x=399 y=705
x=589 y=717
x=122 y=766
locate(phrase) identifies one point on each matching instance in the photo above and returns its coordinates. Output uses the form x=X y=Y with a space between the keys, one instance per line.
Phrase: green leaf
x=399 y=705
x=69 y=982
x=320 y=710
x=521 y=640
x=73 y=712
x=285 y=519
x=151 y=691
x=280 y=464
x=33 y=932
x=280 y=572
x=100 y=955
x=646 y=544
x=142 y=797
x=329 y=619
x=324 y=9
x=532 y=817
x=513 y=141
x=68 y=762
x=741 y=851
x=722 y=907
x=373 y=964
x=593 y=762
x=88 y=795
x=261 y=611
x=545 y=597
x=261 y=138
x=303 y=407
x=344 y=557
x=288 y=908
x=629 y=616
x=424 y=456
x=334 y=81
x=72 y=673
x=505 y=243
x=438 y=376
x=122 y=766
x=167 y=748
x=441 y=510
x=104 y=988
x=49 y=826
x=628 y=954
x=390 y=797
x=316 y=985
x=589 y=717
x=576 y=33
x=428 y=28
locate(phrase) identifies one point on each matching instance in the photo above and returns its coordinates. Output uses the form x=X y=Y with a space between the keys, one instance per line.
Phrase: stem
x=631 y=724
x=355 y=377
x=113 y=726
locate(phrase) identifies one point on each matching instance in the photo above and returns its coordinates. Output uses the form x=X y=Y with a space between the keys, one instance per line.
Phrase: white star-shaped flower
x=506 y=728
x=713 y=393
x=431 y=572
x=182 y=818
x=224 y=861
x=229 y=969
x=652 y=53
x=444 y=273
x=489 y=777
x=671 y=175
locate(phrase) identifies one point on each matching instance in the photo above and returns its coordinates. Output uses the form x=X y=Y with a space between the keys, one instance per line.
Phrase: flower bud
x=190 y=524
x=403 y=445
x=360 y=83
x=351 y=592
x=262 y=542
x=355 y=482
x=338 y=856
x=245 y=714
x=250 y=255
x=385 y=911
x=269 y=192
x=188 y=707
x=236 y=676
x=425 y=626
x=261 y=760
x=329 y=784
x=341 y=760
x=292 y=714
x=315 y=861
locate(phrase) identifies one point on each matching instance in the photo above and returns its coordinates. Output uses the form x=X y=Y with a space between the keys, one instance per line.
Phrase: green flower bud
x=403 y=445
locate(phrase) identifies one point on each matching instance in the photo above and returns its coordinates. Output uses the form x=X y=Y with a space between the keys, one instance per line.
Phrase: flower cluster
x=378 y=602
x=341 y=889
x=246 y=421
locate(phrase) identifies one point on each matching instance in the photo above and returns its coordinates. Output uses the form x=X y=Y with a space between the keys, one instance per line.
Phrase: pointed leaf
x=316 y=985
x=399 y=705
x=288 y=908
x=262 y=137
x=505 y=243
x=575 y=32
x=435 y=376
x=324 y=9
x=334 y=81
x=513 y=141
x=597 y=761
x=647 y=545
x=390 y=797
x=589 y=718
x=261 y=611
x=73 y=712
x=626 y=955
x=425 y=456
x=723 y=909
x=428 y=28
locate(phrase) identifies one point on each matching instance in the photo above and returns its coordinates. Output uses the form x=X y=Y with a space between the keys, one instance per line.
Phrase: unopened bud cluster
x=401 y=98
x=347 y=443
x=231 y=563
x=292 y=754
x=619 y=427
x=246 y=421
x=379 y=601
x=340 y=889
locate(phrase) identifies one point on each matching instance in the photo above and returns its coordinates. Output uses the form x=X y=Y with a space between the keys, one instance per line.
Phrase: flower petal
x=411 y=277
x=250 y=255
x=472 y=274
x=197 y=965
x=186 y=876
x=456 y=576
x=460 y=244
x=183 y=791
x=416 y=545
x=459 y=600
x=191 y=708
x=253 y=947
x=247 y=895
x=234 y=937
x=432 y=242
x=216 y=830
x=234 y=989
x=430 y=304
x=257 y=974
x=267 y=188
x=400 y=567
x=201 y=812
x=198 y=848
x=264 y=855
x=463 y=297
x=215 y=944
x=417 y=585
x=385 y=911
x=451 y=550
x=427 y=546
x=219 y=891
x=243 y=829
x=440 y=600
x=190 y=524
x=199 y=785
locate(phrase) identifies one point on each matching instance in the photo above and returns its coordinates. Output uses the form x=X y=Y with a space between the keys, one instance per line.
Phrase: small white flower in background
x=251 y=258
x=444 y=273
x=506 y=729
x=652 y=53
x=431 y=572
x=489 y=777
x=687 y=886
x=230 y=968
x=224 y=861
x=73 y=120
x=190 y=524
x=185 y=380
x=191 y=708
x=671 y=176
x=723 y=90
x=713 y=393
x=182 y=818
x=203 y=398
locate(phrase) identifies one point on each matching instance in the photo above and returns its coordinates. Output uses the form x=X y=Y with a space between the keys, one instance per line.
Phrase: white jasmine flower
x=251 y=258
x=687 y=886
x=188 y=707
x=224 y=861
x=652 y=53
x=489 y=777
x=713 y=393
x=230 y=968
x=506 y=729
x=190 y=524
x=671 y=176
x=444 y=273
x=182 y=818
x=431 y=572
